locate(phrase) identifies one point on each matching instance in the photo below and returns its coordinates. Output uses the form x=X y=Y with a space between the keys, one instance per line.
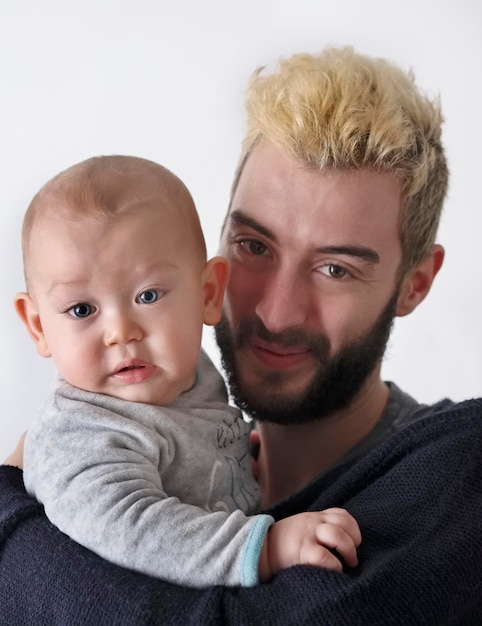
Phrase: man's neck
x=291 y=456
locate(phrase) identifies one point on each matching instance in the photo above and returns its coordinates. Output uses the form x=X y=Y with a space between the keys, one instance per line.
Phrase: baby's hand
x=304 y=539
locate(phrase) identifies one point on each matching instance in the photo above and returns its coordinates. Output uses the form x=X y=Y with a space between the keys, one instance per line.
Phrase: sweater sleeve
x=98 y=477
x=418 y=499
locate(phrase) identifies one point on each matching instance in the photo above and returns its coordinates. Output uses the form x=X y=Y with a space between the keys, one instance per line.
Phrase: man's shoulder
x=445 y=421
x=441 y=449
x=443 y=428
x=408 y=424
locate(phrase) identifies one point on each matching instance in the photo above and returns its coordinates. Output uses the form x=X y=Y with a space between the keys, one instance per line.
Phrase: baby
x=137 y=454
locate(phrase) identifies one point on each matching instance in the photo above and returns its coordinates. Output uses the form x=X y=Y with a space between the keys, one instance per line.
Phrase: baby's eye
x=149 y=296
x=81 y=310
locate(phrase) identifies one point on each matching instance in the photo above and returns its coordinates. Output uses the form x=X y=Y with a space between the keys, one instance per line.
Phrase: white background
x=164 y=79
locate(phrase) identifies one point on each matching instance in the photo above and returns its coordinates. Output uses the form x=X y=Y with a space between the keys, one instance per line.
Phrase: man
x=330 y=234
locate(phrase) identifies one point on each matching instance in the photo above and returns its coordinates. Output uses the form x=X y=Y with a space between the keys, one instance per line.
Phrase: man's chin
x=275 y=397
x=275 y=382
x=275 y=408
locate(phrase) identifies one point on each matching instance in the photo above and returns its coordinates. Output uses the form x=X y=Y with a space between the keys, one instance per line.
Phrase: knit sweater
x=417 y=497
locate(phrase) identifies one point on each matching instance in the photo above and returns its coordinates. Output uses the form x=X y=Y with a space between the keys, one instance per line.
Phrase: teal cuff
x=252 y=550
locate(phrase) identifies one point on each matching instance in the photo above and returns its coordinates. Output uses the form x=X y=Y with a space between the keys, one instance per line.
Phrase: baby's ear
x=28 y=313
x=215 y=277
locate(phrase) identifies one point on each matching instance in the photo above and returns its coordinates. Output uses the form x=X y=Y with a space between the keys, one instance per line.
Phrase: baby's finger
x=343 y=519
x=335 y=537
x=317 y=555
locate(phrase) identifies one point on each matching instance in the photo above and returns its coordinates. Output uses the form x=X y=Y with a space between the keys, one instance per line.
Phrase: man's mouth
x=276 y=356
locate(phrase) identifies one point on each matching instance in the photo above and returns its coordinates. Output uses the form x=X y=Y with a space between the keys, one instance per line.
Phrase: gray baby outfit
x=167 y=491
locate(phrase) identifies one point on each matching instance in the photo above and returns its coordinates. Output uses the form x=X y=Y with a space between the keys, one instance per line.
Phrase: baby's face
x=122 y=304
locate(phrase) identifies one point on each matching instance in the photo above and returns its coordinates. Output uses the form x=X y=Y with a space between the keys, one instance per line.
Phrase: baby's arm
x=101 y=478
x=307 y=539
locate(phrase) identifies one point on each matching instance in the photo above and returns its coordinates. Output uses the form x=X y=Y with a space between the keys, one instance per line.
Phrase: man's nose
x=122 y=328
x=285 y=300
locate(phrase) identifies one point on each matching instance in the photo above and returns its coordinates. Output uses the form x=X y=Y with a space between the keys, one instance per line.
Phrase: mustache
x=253 y=327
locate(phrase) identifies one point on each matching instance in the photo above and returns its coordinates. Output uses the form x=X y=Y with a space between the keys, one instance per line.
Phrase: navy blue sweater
x=417 y=497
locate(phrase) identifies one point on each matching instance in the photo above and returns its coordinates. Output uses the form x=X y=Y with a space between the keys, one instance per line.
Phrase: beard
x=337 y=380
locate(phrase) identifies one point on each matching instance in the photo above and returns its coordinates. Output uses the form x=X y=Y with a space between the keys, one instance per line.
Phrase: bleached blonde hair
x=340 y=109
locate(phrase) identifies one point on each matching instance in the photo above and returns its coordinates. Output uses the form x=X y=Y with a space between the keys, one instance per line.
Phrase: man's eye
x=149 y=296
x=81 y=310
x=253 y=246
x=333 y=271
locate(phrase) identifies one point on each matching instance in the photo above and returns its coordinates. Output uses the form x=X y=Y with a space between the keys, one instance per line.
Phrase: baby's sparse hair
x=104 y=187
x=340 y=109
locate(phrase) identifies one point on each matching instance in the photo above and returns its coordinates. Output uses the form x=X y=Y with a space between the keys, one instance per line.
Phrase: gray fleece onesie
x=167 y=491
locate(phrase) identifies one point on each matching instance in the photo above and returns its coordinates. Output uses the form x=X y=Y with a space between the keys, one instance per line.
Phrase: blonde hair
x=340 y=109
x=104 y=187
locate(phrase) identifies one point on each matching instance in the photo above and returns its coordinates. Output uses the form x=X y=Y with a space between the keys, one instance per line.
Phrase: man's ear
x=28 y=313
x=417 y=284
x=215 y=277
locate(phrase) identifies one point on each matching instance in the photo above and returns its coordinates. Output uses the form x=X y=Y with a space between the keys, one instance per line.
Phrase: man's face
x=313 y=285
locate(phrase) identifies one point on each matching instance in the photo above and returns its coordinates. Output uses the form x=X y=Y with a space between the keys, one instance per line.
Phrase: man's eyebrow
x=367 y=254
x=238 y=218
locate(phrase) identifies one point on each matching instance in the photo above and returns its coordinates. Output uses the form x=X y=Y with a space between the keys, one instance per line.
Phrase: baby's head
x=102 y=189
x=117 y=278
